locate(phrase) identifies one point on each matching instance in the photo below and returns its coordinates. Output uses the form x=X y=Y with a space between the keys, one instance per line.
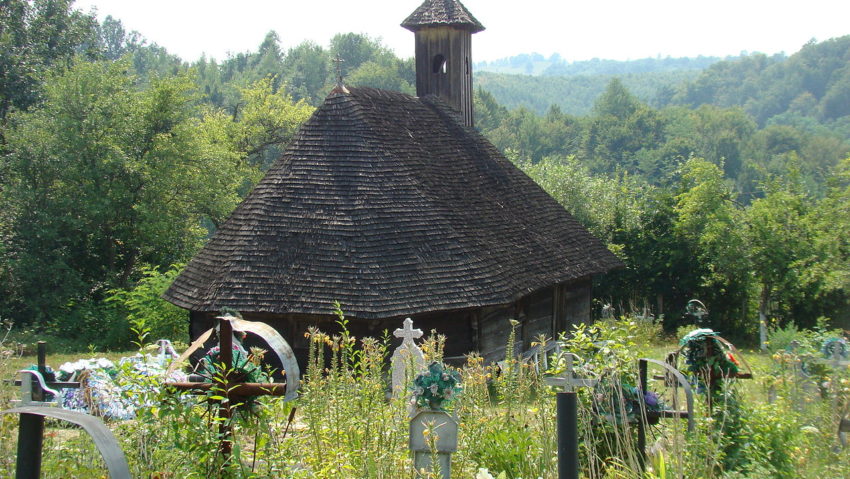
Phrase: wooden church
x=397 y=207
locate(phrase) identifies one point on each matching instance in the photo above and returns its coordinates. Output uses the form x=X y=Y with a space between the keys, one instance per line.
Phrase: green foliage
x=813 y=82
x=149 y=315
x=36 y=36
x=103 y=176
x=266 y=121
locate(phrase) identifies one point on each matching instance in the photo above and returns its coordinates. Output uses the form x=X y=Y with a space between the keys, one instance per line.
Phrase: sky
x=577 y=30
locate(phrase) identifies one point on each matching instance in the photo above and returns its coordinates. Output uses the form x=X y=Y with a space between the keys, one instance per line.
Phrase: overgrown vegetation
x=347 y=426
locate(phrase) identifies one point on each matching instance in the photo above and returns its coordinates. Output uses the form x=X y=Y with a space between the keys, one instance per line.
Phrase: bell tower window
x=438 y=65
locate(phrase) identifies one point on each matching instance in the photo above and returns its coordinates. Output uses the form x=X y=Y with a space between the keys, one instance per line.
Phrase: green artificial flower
x=436 y=386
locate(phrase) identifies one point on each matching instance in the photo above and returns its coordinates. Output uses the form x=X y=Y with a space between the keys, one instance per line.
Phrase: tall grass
x=349 y=425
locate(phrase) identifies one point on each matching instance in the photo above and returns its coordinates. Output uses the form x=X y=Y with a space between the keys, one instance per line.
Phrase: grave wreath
x=433 y=431
x=834 y=348
x=436 y=386
x=704 y=352
x=244 y=366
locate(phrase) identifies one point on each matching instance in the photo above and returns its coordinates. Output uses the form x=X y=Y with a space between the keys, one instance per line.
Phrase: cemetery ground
x=781 y=423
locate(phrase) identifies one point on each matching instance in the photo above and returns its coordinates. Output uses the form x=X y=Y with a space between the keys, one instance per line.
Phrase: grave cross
x=407 y=355
x=33 y=385
x=339 y=61
x=407 y=333
x=567 y=417
x=223 y=383
x=568 y=379
x=652 y=417
x=31 y=422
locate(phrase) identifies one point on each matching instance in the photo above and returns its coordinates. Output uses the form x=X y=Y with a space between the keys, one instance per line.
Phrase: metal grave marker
x=441 y=438
x=567 y=416
x=235 y=392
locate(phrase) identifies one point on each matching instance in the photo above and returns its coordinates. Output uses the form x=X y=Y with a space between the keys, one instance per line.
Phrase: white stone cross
x=567 y=379
x=406 y=356
x=407 y=332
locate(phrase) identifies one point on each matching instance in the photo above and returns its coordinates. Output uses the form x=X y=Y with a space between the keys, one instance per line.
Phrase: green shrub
x=150 y=316
x=82 y=326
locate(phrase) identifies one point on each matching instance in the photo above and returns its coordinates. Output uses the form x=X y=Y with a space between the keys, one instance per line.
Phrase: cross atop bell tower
x=443 y=33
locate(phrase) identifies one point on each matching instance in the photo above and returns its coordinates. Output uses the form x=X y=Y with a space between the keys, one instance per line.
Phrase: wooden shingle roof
x=388 y=204
x=442 y=13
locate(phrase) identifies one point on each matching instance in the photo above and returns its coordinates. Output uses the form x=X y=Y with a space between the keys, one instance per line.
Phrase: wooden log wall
x=548 y=311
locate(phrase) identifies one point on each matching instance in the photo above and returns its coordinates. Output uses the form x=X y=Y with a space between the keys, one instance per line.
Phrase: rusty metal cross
x=234 y=392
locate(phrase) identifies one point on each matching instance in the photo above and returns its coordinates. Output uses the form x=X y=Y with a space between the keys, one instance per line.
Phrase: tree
x=115 y=42
x=620 y=128
x=830 y=222
x=711 y=223
x=379 y=75
x=106 y=176
x=35 y=36
x=306 y=72
x=356 y=49
x=265 y=122
x=778 y=242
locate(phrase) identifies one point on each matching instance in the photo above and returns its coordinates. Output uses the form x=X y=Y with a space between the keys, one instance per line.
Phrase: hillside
x=813 y=83
x=575 y=94
x=809 y=89
x=554 y=65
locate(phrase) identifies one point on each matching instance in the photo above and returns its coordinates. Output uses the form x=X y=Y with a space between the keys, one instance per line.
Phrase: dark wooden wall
x=548 y=311
x=455 y=85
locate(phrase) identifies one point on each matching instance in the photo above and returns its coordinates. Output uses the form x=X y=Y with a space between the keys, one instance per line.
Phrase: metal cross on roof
x=406 y=332
x=568 y=379
x=339 y=61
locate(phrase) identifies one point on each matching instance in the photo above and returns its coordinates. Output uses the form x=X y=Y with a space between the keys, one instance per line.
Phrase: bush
x=148 y=314
x=81 y=326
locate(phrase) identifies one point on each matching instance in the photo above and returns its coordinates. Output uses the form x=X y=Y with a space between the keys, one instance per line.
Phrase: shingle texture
x=442 y=13
x=388 y=204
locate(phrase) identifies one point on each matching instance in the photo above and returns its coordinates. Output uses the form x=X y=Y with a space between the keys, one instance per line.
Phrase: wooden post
x=225 y=412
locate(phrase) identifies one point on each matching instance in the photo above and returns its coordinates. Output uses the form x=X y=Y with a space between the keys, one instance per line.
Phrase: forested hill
x=537 y=64
x=536 y=82
x=575 y=94
x=810 y=85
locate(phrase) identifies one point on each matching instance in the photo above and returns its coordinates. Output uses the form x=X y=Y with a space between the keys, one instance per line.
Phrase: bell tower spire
x=443 y=33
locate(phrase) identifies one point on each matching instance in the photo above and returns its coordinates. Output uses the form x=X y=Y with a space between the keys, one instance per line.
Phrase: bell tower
x=443 y=33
